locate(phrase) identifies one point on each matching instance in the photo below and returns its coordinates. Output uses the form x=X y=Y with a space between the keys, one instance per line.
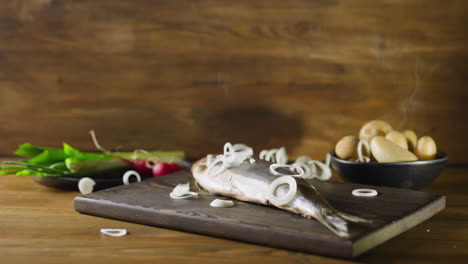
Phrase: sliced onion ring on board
x=86 y=185
x=184 y=196
x=289 y=195
x=128 y=174
x=221 y=203
x=364 y=192
x=182 y=191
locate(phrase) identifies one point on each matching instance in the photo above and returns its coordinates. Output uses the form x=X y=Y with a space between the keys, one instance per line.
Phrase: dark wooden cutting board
x=393 y=212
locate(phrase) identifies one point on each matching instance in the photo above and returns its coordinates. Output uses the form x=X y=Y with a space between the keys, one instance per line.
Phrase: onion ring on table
x=114 y=232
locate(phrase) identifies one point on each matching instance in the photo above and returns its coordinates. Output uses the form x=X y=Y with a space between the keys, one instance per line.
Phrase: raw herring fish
x=250 y=182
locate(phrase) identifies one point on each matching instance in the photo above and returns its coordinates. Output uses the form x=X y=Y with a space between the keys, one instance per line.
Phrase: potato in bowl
x=383 y=156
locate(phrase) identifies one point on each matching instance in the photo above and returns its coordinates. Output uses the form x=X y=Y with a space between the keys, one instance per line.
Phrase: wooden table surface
x=39 y=224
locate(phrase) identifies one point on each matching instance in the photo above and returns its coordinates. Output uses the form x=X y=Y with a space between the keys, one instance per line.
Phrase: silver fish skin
x=250 y=182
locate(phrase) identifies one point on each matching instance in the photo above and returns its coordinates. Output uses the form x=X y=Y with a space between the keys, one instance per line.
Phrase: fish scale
x=250 y=182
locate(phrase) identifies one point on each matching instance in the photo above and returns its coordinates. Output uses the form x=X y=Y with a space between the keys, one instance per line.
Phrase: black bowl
x=412 y=175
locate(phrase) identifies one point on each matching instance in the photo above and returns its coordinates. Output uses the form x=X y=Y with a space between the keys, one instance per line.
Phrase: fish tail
x=334 y=221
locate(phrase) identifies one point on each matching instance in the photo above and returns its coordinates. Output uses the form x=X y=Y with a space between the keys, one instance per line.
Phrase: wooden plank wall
x=186 y=74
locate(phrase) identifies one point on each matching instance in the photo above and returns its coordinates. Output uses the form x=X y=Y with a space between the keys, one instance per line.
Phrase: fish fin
x=354 y=219
x=334 y=221
x=197 y=185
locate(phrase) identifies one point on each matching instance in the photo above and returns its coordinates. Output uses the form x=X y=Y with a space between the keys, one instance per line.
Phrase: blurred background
x=191 y=75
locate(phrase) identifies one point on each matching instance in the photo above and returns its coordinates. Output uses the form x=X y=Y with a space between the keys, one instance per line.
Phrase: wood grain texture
x=193 y=74
x=392 y=212
x=40 y=224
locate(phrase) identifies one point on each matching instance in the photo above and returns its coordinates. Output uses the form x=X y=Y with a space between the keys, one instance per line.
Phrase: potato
x=374 y=128
x=426 y=148
x=397 y=138
x=411 y=138
x=385 y=150
x=346 y=148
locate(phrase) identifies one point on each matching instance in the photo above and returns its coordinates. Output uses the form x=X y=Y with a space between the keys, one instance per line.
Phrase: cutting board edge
x=398 y=227
x=97 y=207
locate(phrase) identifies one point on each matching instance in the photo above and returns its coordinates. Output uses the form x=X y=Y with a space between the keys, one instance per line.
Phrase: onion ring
x=221 y=203
x=364 y=192
x=293 y=167
x=114 y=232
x=86 y=185
x=310 y=168
x=233 y=156
x=362 y=157
x=289 y=195
x=326 y=171
x=127 y=176
x=182 y=191
x=274 y=155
